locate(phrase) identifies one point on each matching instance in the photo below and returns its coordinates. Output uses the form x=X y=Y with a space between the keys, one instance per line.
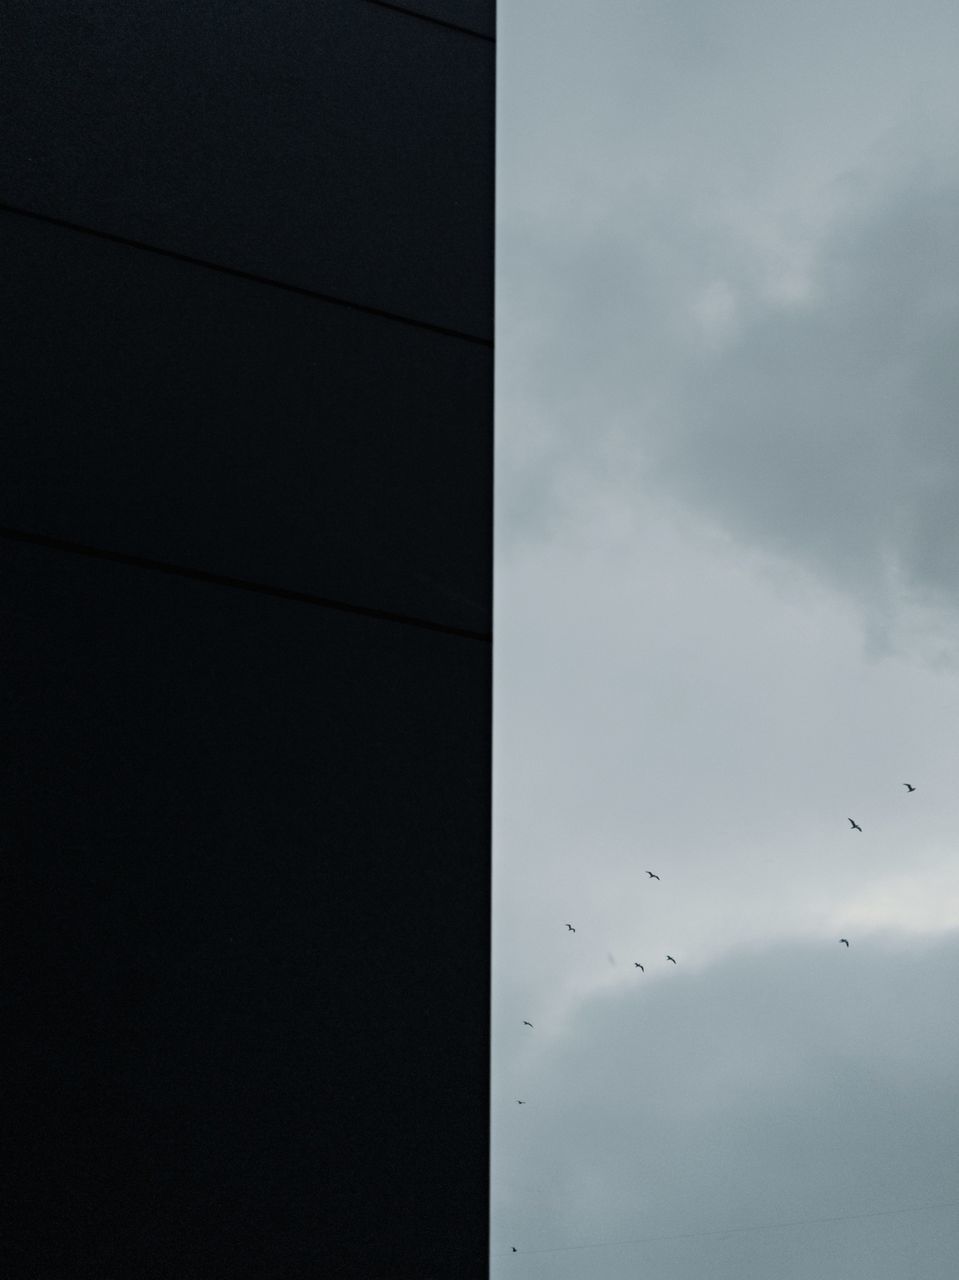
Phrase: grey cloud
x=791 y=1083
x=705 y=475
x=829 y=430
x=665 y=160
x=824 y=431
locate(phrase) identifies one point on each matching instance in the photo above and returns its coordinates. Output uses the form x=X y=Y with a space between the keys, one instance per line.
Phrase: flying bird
x=514 y=1248
x=527 y=1024
x=521 y=1102
x=637 y=965
x=670 y=958
x=845 y=940
x=855 y=825
x=909 y=786
x=570 y=927
x=652 y=875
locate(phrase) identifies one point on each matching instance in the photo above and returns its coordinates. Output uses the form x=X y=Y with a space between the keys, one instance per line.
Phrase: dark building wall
x=245 y=612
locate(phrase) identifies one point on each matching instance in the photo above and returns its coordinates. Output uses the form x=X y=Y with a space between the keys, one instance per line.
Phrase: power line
x=239 y=273
x=436 y=22
x=236 y=584
x=727 y=1231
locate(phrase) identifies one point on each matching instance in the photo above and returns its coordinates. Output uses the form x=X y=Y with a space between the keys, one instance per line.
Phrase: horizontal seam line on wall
x=240 y=584
x=240 y=274
x=425 y=17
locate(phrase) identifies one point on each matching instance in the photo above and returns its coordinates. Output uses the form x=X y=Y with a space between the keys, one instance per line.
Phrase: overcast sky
x=727 y=620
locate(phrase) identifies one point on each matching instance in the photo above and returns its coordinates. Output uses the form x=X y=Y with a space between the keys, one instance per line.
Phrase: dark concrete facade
x=245 y=631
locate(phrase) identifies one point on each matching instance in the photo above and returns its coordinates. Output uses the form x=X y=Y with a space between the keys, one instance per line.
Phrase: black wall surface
x=245 y=609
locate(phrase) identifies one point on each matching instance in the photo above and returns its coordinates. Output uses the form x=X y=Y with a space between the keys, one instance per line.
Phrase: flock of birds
x=854 y=826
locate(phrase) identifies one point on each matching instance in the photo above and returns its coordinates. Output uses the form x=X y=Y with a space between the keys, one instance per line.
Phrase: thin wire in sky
x=727 y=1231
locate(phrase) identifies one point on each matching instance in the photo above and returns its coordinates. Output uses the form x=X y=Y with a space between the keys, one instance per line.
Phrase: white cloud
x=716 y=311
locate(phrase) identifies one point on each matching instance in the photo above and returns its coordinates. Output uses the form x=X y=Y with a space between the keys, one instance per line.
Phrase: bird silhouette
x=570 y=927
x=527 y=1024
x=521 y=1102
x=855 y=825
x=670 y=958
x=652 y=875
x=514 y=1248
x=909 y=786
x=845 y=940
x=637 y=965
